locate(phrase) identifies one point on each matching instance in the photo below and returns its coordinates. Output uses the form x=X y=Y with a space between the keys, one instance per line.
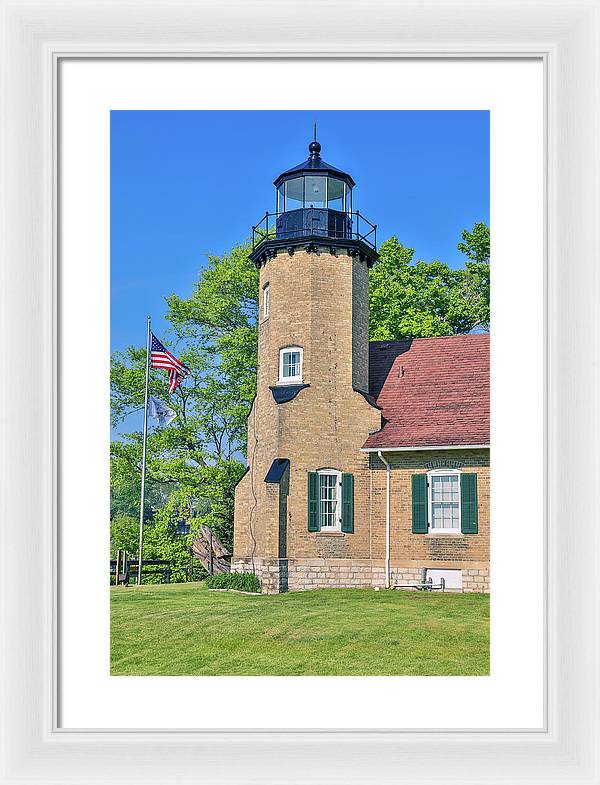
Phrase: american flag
x=161 y=358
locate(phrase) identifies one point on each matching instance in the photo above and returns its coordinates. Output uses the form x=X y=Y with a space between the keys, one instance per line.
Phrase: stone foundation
x=272 y=573
x=280 y=575
x=405 y=575
x=306 y=574
x=476 y=580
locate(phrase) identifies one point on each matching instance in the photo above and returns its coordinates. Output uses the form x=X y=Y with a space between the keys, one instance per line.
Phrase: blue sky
x=186 y=184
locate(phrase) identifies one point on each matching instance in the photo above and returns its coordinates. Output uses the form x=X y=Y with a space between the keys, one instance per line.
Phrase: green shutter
x=313 y=502
x=348 y=503
x=468 y=503
x=419 y=504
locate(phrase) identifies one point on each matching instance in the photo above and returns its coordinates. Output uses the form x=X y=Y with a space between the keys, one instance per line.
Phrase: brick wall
x=321 y=560
x=360 y=322
x=447 y=550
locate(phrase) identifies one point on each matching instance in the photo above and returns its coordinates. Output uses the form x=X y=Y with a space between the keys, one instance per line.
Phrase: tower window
x=266 y=301
x=290 y=365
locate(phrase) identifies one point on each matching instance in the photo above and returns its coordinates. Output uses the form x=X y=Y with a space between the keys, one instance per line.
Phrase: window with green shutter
x=420 y=517
x=468 y=503
x=330 y=501
x=348 y=503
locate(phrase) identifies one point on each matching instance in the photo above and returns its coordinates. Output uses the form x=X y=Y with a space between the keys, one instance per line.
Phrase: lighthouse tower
x=301 y=515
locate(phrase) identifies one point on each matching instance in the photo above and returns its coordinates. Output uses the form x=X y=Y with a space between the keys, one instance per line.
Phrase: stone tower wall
x=318 y=301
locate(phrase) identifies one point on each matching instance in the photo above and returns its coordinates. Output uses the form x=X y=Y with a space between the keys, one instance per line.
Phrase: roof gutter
x=420 y=448
x=387 y=518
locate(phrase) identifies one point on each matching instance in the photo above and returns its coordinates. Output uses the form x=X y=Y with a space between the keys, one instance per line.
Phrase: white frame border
x=565 y=34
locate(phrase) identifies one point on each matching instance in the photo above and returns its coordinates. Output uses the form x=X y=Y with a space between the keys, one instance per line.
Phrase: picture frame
x=563 y=34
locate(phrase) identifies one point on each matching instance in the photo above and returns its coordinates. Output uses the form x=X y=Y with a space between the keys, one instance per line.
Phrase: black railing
x=314 y=222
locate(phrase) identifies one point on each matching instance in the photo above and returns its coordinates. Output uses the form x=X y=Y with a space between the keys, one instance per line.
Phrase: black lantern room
x=314 y=211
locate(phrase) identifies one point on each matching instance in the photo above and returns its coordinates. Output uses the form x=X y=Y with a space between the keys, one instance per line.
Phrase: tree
x=124 y=531
x=417 y=299
x=476 y=243
x=195 y=462
x=220 y=317
x=476 y=287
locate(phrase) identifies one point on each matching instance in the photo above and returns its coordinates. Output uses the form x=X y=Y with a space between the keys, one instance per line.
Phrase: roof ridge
x=430 y=338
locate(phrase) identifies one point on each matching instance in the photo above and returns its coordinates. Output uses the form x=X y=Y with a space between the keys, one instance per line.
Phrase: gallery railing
x=314 y=222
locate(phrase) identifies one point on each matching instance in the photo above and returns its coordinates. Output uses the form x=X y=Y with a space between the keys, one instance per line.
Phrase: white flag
x=160 y=411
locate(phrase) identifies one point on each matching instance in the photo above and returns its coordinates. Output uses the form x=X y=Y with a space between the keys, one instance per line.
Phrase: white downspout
x=387 y=518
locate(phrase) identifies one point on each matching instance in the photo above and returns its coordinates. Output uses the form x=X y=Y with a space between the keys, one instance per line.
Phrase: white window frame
x=338 y=485
x=290 y=379
x=266 y=301
x=430 y=529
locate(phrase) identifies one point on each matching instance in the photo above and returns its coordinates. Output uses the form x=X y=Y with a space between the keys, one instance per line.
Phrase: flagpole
x=141 y=542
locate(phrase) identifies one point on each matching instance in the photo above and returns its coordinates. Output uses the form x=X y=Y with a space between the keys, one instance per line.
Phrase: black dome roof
x=314 y=164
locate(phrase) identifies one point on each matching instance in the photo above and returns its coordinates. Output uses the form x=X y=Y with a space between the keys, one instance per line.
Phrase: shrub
x=242 y=581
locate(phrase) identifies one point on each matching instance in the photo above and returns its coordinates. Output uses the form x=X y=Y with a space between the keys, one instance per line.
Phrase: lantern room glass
x=315 y=191
x=335 y=194
x=294 y=194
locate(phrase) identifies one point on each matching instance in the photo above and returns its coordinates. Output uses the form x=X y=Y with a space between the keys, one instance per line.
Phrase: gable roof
x=432 y=391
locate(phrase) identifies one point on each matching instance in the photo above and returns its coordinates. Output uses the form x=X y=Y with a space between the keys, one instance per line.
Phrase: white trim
x=290 y=379
x=266 y=301
x=421 y=449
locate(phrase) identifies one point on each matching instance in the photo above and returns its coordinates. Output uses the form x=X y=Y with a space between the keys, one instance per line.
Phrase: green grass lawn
x=183 y=629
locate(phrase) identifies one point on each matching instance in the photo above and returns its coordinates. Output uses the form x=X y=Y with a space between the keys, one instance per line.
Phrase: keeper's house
x=368 y=462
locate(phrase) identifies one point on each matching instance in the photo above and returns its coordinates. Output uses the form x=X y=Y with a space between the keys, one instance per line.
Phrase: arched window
x=444 y=501
x=290 y=365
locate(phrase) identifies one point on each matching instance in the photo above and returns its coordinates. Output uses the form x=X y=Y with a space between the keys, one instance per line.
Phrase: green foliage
x=162 y=542
x=242 y=581
x=476 y=286
x=410 y=299
x=193 y=464
x=220 y=319
x=476 y=244
x=417 y=299
x=124 y=532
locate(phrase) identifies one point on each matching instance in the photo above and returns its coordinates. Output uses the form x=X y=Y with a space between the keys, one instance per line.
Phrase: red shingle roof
x=432 y=391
